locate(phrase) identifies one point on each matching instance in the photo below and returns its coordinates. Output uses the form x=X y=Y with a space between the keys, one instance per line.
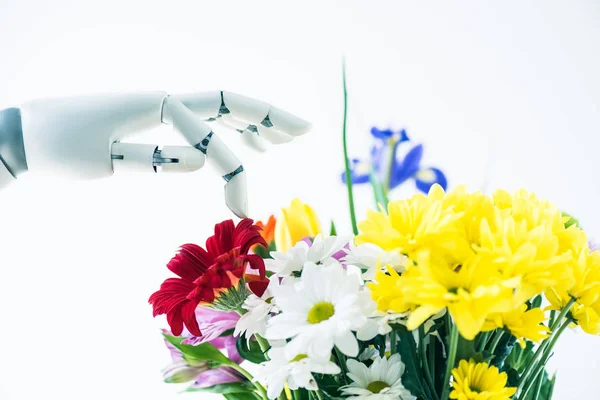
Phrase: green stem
x=319 y=395
x=482 y=340
x=541 y=350
x=342 y=360
x=388 y=174
x=248 y=375
x=432 y=348
x=346 y=159
x=423 y=356
x=552 y=317
x=450 y=362
x=263 y=343
x=378 y=192
x=296 y=394
x=497 y=337
x=538 y=385
x=526 y=386
x=537 y=376
x=393 y=342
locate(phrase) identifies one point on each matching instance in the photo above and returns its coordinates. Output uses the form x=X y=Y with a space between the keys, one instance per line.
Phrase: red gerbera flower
x=205 y=274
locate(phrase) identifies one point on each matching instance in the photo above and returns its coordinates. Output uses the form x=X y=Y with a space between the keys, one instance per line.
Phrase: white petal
x=347 y=344
x=368 y=331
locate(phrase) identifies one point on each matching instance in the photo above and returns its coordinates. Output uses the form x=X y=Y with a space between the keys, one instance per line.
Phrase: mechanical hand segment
x=83 y=137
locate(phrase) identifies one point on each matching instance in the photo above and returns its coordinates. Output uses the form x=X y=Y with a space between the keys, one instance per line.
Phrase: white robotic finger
x=133 y=157
x=251 y=138
x=179 y=159
x=205 y=105
x=136 y=157
x=193 y=129
x=231 y=122
x=273 y=135
x=233 y=172
x=249 y=132
x=245 y=108
x=200 y=135
x=288 y=123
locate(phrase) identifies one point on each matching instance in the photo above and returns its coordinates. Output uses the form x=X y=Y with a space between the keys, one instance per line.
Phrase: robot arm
x=83 y=137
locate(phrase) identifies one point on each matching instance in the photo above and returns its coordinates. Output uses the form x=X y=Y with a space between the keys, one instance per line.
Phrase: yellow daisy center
x=320 y=312
x=377 y=386
x=298 y=358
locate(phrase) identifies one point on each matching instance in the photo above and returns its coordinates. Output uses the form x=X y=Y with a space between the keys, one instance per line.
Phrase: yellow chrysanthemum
x=469 y=293
x=478 y=381
x=491 y=256
x=474 y=208
x=387 y=291
x=585 y=290
x=296 y=222
x=530 y=254
x=522 y=323
x=525 y=207
x=411 y=225
x=587 y=317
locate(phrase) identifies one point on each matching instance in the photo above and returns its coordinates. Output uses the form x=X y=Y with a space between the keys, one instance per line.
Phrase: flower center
x=474 y=389
x=377 y=386
x=298 y=358
x=320 y=312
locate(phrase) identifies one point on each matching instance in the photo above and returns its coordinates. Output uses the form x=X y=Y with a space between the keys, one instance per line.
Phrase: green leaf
x=265 y=253
x=332 y=230
x=381 y=199
x=302 y=394
x=225 y=388
x=572 y=220
x=513 y=377
x=466 y=350
x=253 y=353
x=503 y=349
x=412 y=379
x=194 y=354
x=548 y=388
x=242 y=396
x=330 y=385
x=536 y=302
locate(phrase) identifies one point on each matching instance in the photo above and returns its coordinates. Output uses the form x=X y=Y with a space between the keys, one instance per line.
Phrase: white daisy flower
x=381 y=381
x=379 y=324
x=297 y=372
x=370 y=257
x=321 y=251
x=319 y=312
x=259 y=310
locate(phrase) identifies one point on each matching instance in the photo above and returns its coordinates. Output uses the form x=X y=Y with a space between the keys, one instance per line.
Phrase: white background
x=502 y=91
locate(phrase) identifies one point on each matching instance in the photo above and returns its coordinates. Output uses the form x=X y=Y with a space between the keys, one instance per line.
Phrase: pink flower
x=212 y=324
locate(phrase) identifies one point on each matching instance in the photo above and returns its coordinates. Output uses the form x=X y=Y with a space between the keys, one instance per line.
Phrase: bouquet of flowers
x=443 y=295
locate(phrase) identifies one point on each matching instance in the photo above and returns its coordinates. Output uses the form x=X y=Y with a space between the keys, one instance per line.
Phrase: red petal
x=222 y=241
x=186 y=266
x=258 y=287
x=257 y=263
x=172 y=292
x=175 y=322
x=188 y=313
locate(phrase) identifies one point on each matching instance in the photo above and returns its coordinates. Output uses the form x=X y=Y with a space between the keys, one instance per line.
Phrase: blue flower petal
x=427 y=177
x=359 y=172
x=378 y=152
x=406 y=168
x=404 y=136
x=382 y=133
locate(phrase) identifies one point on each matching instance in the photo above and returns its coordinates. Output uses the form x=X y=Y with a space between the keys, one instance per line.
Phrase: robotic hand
x=82 y=137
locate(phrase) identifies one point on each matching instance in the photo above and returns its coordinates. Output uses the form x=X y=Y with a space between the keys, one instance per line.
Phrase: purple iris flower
x=212 y=324
x=401 y=169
